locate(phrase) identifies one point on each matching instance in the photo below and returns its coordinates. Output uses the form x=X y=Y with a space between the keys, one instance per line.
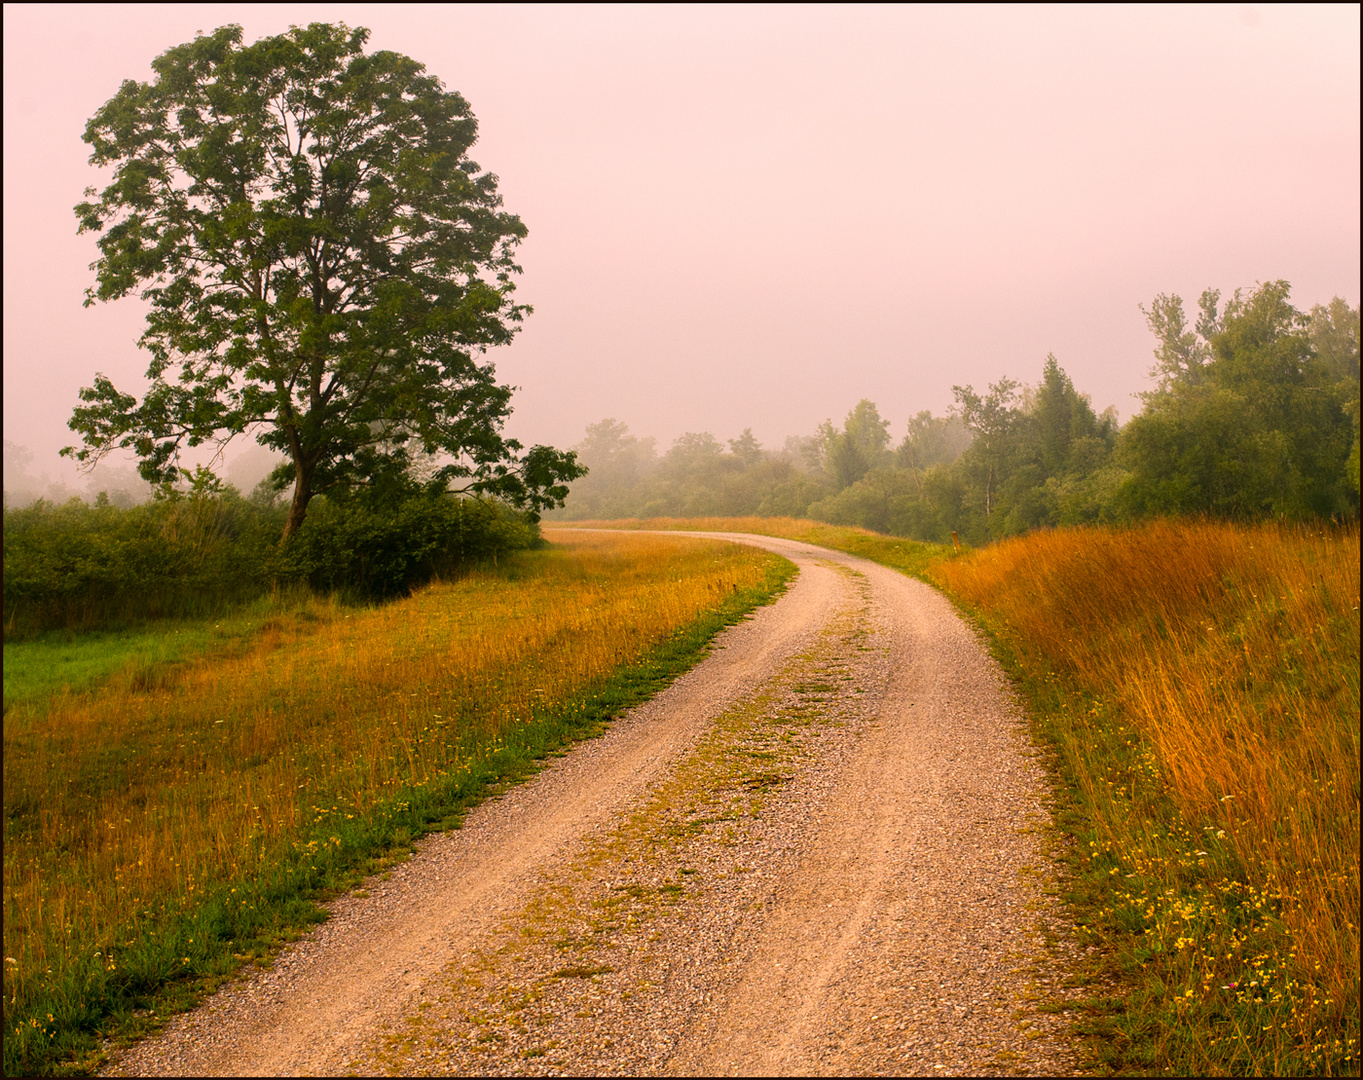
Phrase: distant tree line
x=1254 y=414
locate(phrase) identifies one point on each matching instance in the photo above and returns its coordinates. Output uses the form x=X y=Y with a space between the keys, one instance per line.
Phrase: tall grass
x=1200 y=682
x=41 y=666
x=164 y=827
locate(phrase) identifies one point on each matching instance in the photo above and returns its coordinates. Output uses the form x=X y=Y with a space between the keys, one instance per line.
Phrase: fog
x=755 y=217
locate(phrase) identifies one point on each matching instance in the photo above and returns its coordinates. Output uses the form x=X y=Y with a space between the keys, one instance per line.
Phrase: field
x=911 y=556
x=173 y=810
x=1196 y=688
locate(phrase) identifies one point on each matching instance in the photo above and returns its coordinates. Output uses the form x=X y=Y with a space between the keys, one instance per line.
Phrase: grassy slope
x=172 y=821
x=1199 y=686
x=1196 y=686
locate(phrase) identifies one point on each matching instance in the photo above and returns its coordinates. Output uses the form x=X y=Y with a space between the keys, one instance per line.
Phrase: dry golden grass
x=133 y=801
x=1228 y=656
x=910 y=556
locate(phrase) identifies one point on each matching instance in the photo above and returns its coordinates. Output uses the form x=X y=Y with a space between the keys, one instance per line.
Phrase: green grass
x=913 y=557
x=47 y=665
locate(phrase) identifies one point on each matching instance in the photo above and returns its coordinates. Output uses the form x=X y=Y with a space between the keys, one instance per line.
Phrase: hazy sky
x=756 y=216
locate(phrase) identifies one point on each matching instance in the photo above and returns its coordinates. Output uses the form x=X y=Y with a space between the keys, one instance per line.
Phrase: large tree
x=325 y=267
x=860 y=446
x=1263 y=428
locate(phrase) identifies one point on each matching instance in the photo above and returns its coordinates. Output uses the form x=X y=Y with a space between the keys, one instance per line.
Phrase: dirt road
x=814 y=853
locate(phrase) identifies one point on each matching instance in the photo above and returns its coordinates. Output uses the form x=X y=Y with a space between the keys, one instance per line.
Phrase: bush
x=375 y=550
x=75 y=566
x=79 y=567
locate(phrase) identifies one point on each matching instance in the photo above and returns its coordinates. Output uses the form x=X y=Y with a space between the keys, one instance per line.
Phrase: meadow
x=1195 y=688
x=911 y=556
x=173 y=811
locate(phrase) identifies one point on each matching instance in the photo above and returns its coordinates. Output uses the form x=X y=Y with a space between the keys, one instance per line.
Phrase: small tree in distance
x=325 y=266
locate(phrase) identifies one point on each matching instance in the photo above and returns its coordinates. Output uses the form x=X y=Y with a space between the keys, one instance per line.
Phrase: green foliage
x=325 y=266
x=994 y=420
x=1263 y=428
x=746 y=449
x=860 y=446
x=1182 y=353
x=77 y=567
x=932 y=441
x=617 y=462
x=876 y=501
x=696 y=477
x=1068 y=434
x=374 y=551
x=791 y=491
x=1035 y=456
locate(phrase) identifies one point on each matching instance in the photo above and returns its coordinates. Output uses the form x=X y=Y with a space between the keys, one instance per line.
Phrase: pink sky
x=756 y=216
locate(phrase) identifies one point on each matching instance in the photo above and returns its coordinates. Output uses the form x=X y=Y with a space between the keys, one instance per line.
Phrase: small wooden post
x=954 y=542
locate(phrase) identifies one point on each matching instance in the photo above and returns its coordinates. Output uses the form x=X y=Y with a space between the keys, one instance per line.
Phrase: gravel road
x=821 y=851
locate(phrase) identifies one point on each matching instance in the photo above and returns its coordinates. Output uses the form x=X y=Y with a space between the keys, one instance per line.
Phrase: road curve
x=886 y=917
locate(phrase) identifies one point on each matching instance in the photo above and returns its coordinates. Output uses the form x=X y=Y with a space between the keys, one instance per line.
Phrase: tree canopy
x=326 y=268
x=1263 y=425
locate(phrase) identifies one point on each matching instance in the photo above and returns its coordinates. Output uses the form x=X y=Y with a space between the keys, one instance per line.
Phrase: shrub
x=375 y=550
x=75 y=566
x=79 y=567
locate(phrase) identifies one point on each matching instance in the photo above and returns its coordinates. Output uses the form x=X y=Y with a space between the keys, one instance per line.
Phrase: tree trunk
x=302 y=495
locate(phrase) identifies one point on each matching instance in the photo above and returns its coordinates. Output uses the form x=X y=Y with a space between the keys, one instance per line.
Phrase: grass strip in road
x=158 y=836
x=1196 y=687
